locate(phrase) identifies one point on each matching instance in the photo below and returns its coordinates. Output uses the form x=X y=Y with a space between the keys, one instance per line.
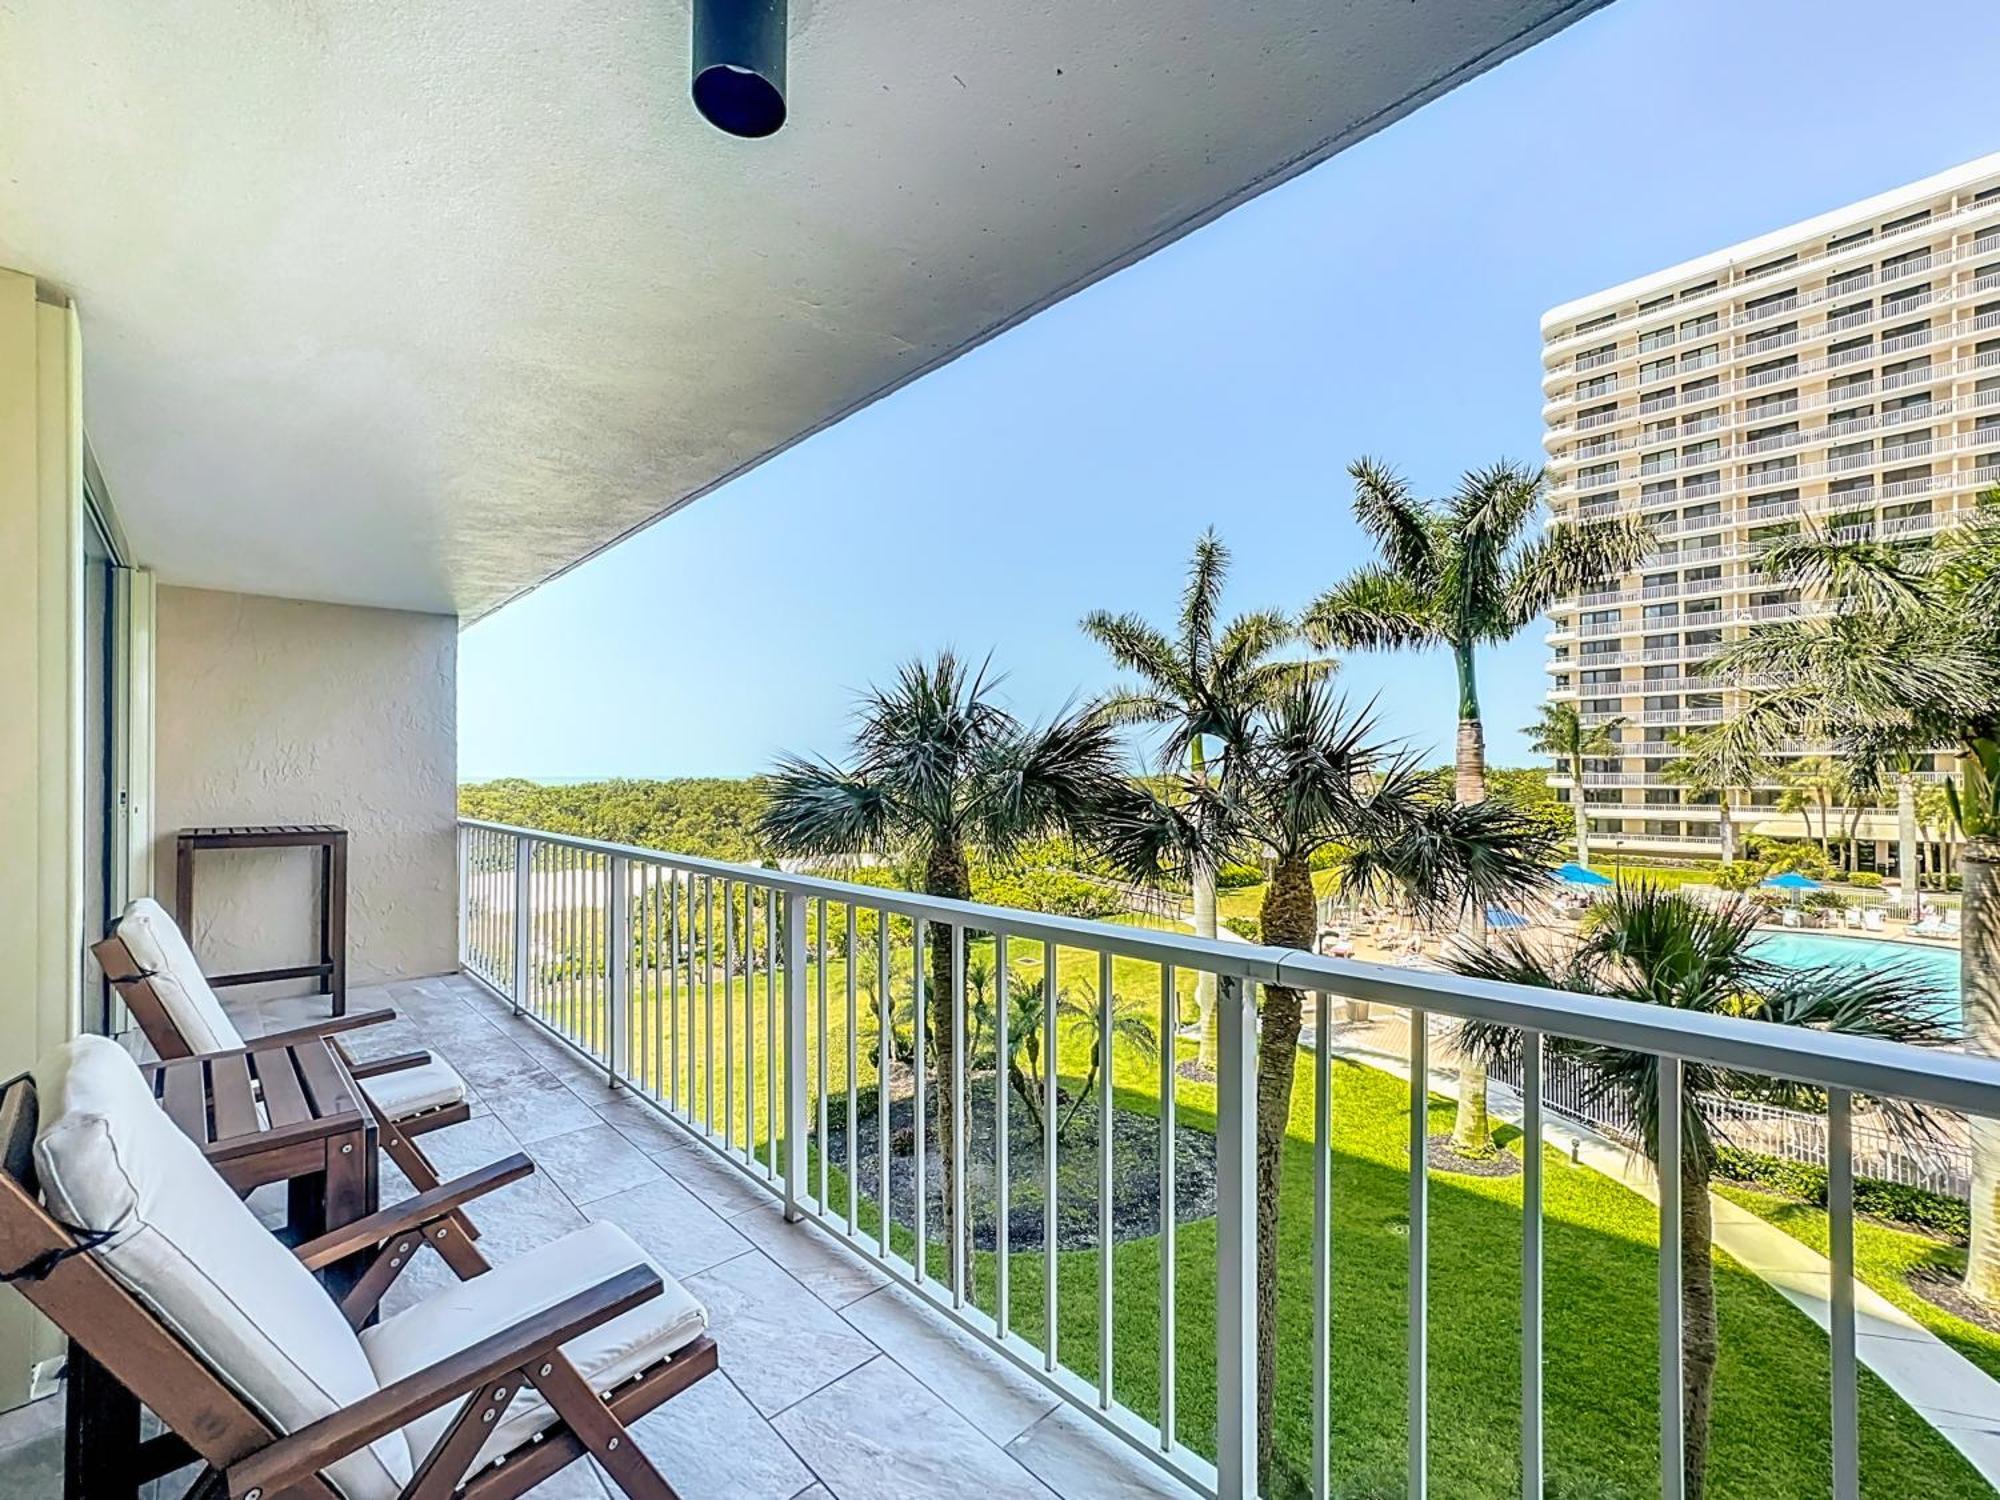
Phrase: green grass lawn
x=1771 y=1428
x=1883 y=1257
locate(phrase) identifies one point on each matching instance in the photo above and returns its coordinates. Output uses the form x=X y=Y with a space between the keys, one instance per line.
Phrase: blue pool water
x=1801 y=950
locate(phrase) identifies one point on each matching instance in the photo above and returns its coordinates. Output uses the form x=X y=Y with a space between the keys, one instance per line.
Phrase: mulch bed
x=1442 y=1158
x=1942 y=1290
x=1135 y=1170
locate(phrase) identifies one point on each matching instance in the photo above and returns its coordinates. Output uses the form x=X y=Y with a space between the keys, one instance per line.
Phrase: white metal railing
x=708 y=989
x=1812 y=264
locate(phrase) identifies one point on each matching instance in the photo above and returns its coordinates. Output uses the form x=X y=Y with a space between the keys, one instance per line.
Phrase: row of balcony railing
x=1668 y=399
x=1984 y=242
x=1903 y=416
x=1764 y=473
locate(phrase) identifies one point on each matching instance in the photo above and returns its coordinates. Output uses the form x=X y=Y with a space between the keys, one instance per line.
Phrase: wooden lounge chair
x=116 y=1228
x=149 y=962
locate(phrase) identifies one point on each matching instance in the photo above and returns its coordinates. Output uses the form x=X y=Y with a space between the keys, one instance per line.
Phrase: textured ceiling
x=417 y=304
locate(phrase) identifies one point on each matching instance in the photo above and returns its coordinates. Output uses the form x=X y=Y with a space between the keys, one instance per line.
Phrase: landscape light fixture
x=739 y=65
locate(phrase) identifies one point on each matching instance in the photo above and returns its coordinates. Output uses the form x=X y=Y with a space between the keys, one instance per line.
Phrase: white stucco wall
x=280 y=711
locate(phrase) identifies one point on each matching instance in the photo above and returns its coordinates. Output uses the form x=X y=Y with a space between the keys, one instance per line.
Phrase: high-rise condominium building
x=1842 y=373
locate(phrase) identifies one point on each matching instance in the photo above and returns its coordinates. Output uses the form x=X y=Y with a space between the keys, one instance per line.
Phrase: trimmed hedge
x=1239 y=876
x=1910 y=1207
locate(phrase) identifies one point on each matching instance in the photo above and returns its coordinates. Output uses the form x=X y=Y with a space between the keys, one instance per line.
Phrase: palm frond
x=1569 y=558
x=1201 y=601
x=1373 y=609
x=815 y=809
x=1137 y=647
x=1399 y=524
x=1038 y=782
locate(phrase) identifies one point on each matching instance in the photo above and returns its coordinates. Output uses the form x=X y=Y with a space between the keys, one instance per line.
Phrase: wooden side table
x=331 y=968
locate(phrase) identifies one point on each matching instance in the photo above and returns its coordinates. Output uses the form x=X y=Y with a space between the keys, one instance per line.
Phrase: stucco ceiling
x=417 y=304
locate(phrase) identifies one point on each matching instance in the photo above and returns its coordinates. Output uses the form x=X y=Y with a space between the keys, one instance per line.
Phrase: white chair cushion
x=156 y=944
x=189 y=1249
x=410 y=1091
x=468 y=1311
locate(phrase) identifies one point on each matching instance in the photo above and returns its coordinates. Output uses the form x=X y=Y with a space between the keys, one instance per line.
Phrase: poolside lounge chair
x=1871 y=919
x=148 y=961
x=144 y=1257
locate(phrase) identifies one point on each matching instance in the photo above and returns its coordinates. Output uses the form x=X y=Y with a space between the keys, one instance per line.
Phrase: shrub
x=1247 y=928
x=1865 y=880
x=1741 y=876
x=1061 y=893
x=1824 y=901
x=1913 y=1208
x=1238 y=876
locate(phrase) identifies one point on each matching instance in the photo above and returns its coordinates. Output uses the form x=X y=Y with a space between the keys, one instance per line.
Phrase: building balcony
x=1809 y=266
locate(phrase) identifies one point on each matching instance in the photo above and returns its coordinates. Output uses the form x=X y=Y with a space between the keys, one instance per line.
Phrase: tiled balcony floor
x=834 y=1383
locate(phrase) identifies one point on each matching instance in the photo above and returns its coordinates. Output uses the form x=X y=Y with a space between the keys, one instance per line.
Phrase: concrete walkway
x=1941 y=1385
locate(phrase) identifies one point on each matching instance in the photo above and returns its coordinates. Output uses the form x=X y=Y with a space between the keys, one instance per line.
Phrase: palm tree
x=941 y=769
x=1813 y=781
x=1309 y=777
x=1717 y=762
x=1904 y=662
x=1662 y=947
x=1561 y=734
x=1462 y=573
x=1202 y=687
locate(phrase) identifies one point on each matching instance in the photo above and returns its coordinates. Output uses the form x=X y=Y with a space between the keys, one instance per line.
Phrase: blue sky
x=1385 y=303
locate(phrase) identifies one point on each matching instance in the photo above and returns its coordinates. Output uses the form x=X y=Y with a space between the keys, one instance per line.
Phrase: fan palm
x=1561 y=734
x=1662 y=947
x=1905 y=661
x=1462 y=573
x=1718 y=762
x=1310 y=777
x=1201 y=685
x=941 y=769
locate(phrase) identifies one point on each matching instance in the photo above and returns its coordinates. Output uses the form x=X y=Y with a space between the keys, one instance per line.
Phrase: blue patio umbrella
x=1791 y=880
x=1502 y=919
x=1576 y=874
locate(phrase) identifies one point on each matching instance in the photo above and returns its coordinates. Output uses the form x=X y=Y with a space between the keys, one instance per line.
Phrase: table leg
x=100 y=1433
x=333 y=925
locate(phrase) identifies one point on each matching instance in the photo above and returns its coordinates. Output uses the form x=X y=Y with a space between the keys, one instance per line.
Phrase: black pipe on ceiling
x=739 y=65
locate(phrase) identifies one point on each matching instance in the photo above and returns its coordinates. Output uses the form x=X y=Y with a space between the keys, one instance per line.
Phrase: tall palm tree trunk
x=1202 y=878
x=1906 y=843
x=1290 y=917
x=1699 y=1337
x=946 y=874
x=1582 y=810
x=1472 y=1128
x=1979 y=987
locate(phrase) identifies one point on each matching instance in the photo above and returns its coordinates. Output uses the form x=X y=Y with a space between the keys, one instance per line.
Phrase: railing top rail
x=1956 y=1080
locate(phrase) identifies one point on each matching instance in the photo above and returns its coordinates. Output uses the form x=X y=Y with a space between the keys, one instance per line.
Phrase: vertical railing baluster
x=1420 y=1197
x=1051 y=1097
x=618 y=969
x=771 y=898
x=1003 y=1048
x=1532 y=1484
x=679 y=1104
x=885 y=1034
x=922 y=1208
x=955 y=1102
x=819 y=1056
x=1673 y=1452
x=795 y=1056
x=1236 y=1240
x=1840 y=1329
x=1322 y=1247
x=853 y=1070
x=689 y=928
x=524 y=922
x=728 y=1015
x=1106 y=1270
x=708 y=1005
x=748 y=1147
x=1170 y=1031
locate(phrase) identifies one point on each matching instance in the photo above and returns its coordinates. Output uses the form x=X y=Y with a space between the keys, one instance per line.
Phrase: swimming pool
x=1802 y=950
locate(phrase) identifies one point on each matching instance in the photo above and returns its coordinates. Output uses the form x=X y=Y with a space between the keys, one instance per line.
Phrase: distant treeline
x=709 y=816
x=716 y=817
